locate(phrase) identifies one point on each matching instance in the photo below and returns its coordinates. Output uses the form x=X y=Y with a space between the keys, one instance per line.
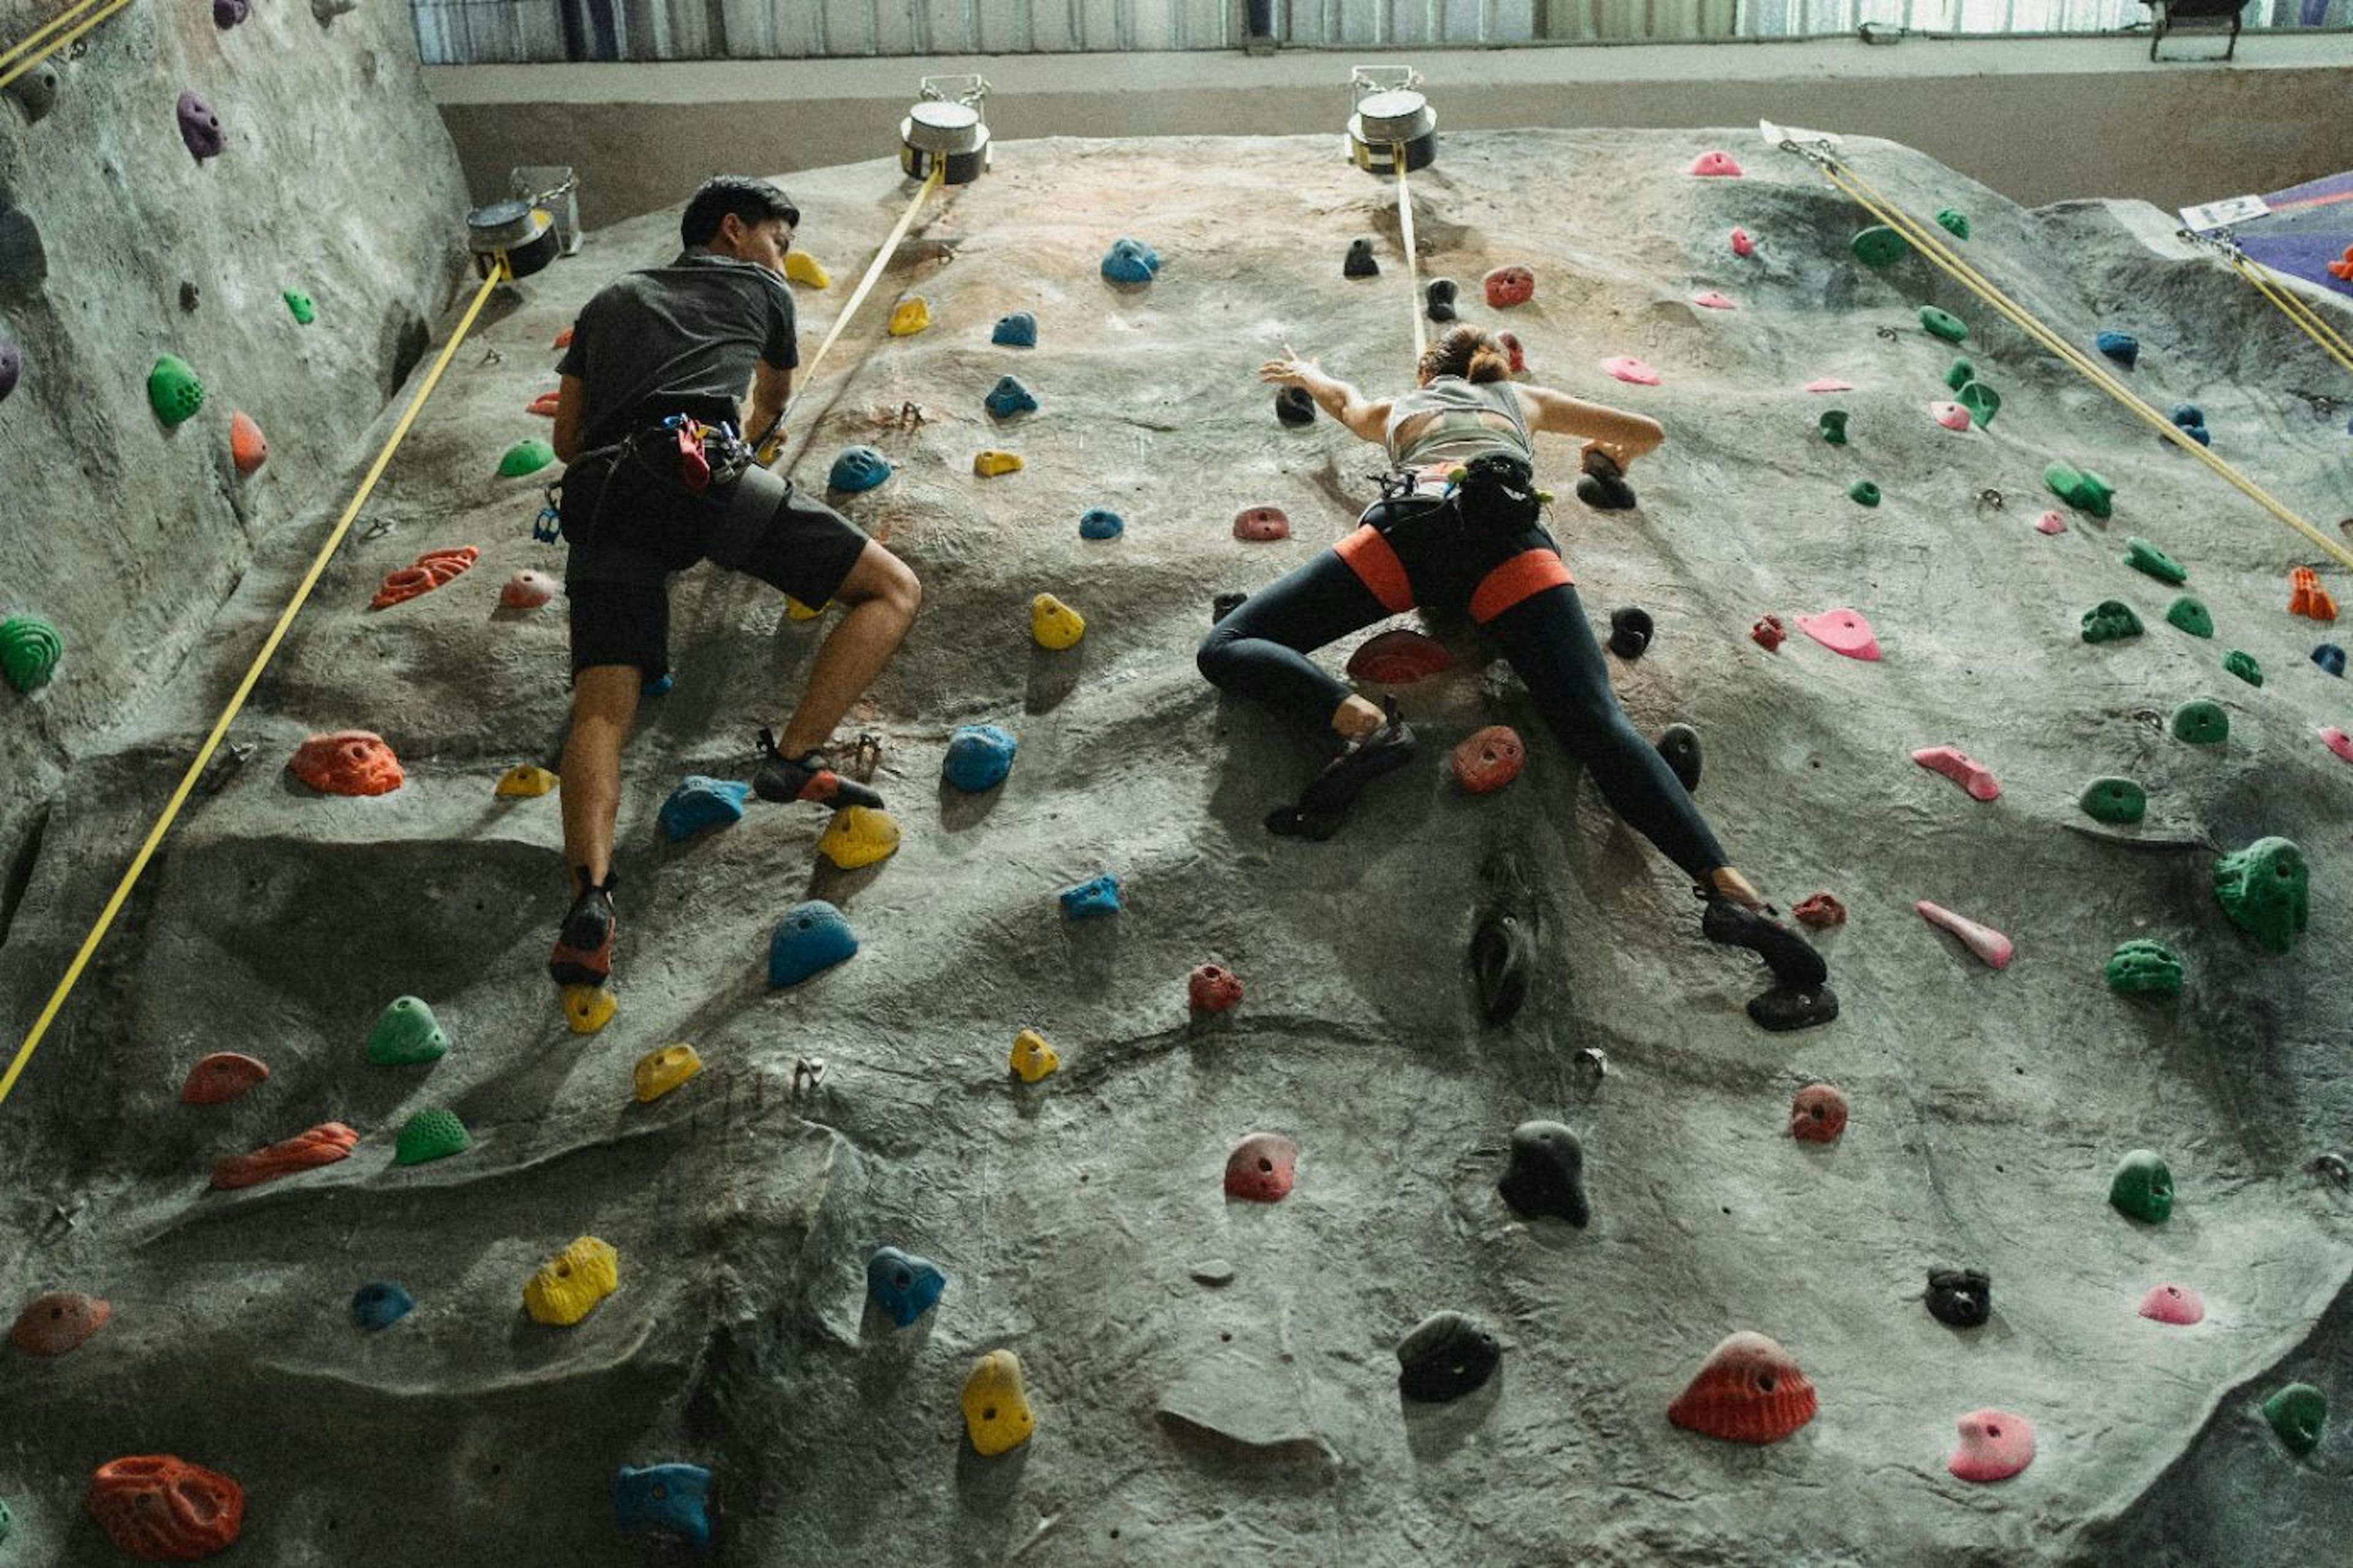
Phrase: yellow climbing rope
x=14 y=69
x=2332 y=343
x=1412 y=263
x=1929 y=241
x=245 y=688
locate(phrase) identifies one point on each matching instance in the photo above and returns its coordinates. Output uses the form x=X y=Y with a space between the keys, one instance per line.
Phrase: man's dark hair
x=751 y=201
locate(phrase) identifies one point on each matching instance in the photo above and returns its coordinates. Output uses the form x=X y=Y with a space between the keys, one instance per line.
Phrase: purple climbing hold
x=200 y=128
x=228 y=14
x=11 y=363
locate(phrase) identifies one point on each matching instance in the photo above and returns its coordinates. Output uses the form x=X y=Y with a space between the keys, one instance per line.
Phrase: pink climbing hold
x=1262 y=1167
x=1717 y=163
x=1951 y=415
x=1829 y=384
x=2051 y=523
x=1842 y=631
x=1961 y=768
x=2176 y=1304
x=527 y=590
x=1768 y=633
x=1714 y=301
x=1742 y=246
x=1509 y=286
x=1262 y=524
x=1987 y=943
x=1399 y=658
x=543 y=405
x=1626 y=368
x=2338 y=741
x=1994 y=1446
x=1512 y=346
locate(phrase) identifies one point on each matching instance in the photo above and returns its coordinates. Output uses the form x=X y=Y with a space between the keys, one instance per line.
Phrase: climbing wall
x=1209 y=1373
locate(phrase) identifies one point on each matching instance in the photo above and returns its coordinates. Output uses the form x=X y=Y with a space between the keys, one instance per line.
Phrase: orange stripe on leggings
x=1370 y=556
x=1523 y=576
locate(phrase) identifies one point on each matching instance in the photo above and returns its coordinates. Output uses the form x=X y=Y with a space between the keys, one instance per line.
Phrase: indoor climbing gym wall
x=1055 y=1165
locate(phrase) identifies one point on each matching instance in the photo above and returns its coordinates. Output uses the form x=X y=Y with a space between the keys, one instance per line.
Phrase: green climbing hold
x=2114 y=800
x=1959 y=374
x=2297 y=1412
x=2110 y=620
x=2143 y=968
x=525 y=457
x=1862 y=493
x=2142 y=1187
x=1879 y=245
x=1833 y=427
x=1955 y=221
x=2201 y=724
x=2242 y=664
x=174 y=389
x=431 y=1134
x=2143 y=556
x=1943 y=324
x=2191 y=616
x=29 y=648
x=2266 y=889
x=404 y=1034
x=1982 y=401
x=2081 y=488
x=300 y=303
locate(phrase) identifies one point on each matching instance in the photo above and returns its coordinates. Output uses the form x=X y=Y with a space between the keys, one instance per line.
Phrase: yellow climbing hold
x=589 y=1009
x=910 y=316
x=569 y=1285
x=800 y=611
x=1054 y=624
x=803 y=268
x=995 y=1412
x=858 y=835
x=660 y=1071
x=1033 y=1058
x=991 y=463
x=525 y=781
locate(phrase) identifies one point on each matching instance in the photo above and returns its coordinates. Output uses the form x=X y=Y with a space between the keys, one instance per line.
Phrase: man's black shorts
x=629 y=533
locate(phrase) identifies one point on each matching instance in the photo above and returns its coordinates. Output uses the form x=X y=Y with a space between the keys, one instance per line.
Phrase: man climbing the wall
x=650 y=425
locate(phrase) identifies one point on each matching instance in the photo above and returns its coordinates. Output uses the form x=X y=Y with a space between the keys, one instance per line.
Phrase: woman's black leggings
x=1411 y=552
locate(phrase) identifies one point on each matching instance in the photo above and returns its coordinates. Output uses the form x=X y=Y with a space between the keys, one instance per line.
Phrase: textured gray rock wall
x=337 y=180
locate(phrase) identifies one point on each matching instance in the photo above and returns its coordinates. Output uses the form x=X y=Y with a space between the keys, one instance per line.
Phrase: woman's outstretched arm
x=1622 y=437
x=1334 y=396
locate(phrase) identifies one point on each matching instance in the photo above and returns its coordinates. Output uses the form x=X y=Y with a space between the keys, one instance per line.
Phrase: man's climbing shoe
x=808 y=776
x=584 y=945
x=1325 y=803
x=1786 y=1007
x=1503 y=944
x=1794 y=963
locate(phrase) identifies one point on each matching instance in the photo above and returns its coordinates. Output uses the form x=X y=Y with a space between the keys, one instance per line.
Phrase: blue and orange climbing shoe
x=584 y=944
x=809 y=776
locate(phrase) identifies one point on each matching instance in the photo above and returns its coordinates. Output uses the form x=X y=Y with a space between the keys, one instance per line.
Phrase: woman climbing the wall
x=1456 y=531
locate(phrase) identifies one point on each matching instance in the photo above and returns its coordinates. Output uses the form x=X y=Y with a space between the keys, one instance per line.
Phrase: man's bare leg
x=882 y=595
x=604 y=709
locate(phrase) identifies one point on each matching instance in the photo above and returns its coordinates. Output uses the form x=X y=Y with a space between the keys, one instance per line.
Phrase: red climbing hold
x=1749 y=1390
x=2305 y=596
x=543 y=405
x=247 y=448
x=527 y=590
x=158 y=1506
x=55 y=1323
x=1842 y=631
x=1260 y=1168
x=1262 y=524
x=1961 y=768
x=1742 y=246
x=564 y=339
x=1509 y=286
x=1987 y=943
x=1519 y=355
x=1717 y=163
x=1818 y=1115
x=1768 y=632
x=1714 y=300
x=1489 y=759
x=1994 y=1446
x=2175 y=1304
x=349 y=762
x=224 y=1075
x=1821 y=911
x=1213 y=988
x=1398 y=657
x=431 y=569
x=322 y=1145
x=2338 y=741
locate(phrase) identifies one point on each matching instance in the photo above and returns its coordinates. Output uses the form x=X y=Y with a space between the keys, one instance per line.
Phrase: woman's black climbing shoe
x=1786 y=1007
x=584 y=944
x=1794 y=963
x=1328 y=796
x=809 y=776
x=1603 y=486
x=1679 y=744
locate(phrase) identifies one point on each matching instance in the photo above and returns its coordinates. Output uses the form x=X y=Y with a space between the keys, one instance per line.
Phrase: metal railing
x=484 y=32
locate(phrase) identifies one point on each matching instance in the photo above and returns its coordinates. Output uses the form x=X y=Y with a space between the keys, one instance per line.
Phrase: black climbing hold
x=1629 y=632
x=1786 y=1007
x=1504 y=942
x=1440 y=299
x=1794 y=963
x=1294 y=406
x=1447 y=1356
x=1547 y=1172
x=1225 y=605
x=1961 y=1297
x=1360 y=262
x=190 y=295
x=1679 y=744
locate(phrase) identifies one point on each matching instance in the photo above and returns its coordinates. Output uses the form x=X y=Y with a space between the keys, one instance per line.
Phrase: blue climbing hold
x=904 y=1285
x=701 y=803
x=2330 y=658
x=1130 y=261
x=2199 y=433
x=2122 y=347
x=379 y=1304
x=979 y=756
x=2185 y=415
x=1101 y=522
x=657 y=686
x=812 y=938
x=664 y=1499
x=1010 y=397
x=1096 y=896
x=1018 y=330
x=858 y=468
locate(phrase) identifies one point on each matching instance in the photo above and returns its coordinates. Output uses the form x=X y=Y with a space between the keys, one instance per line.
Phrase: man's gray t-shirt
x=680 y=335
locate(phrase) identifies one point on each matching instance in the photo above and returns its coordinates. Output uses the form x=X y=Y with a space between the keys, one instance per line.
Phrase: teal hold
x=29 y=650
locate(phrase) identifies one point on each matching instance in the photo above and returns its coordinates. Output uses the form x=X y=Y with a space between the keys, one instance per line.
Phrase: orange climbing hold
x=247 y=447
x=322 y=1145
x=543 y=405
x=1749 y=1390
x=349 y=762
x=159 y=1506
x=2305 y=596
x=1400 y=657
x=2342 y=267
x=56 y=1323
x=564 y=339
x=430 y=570
x=224 y=1075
